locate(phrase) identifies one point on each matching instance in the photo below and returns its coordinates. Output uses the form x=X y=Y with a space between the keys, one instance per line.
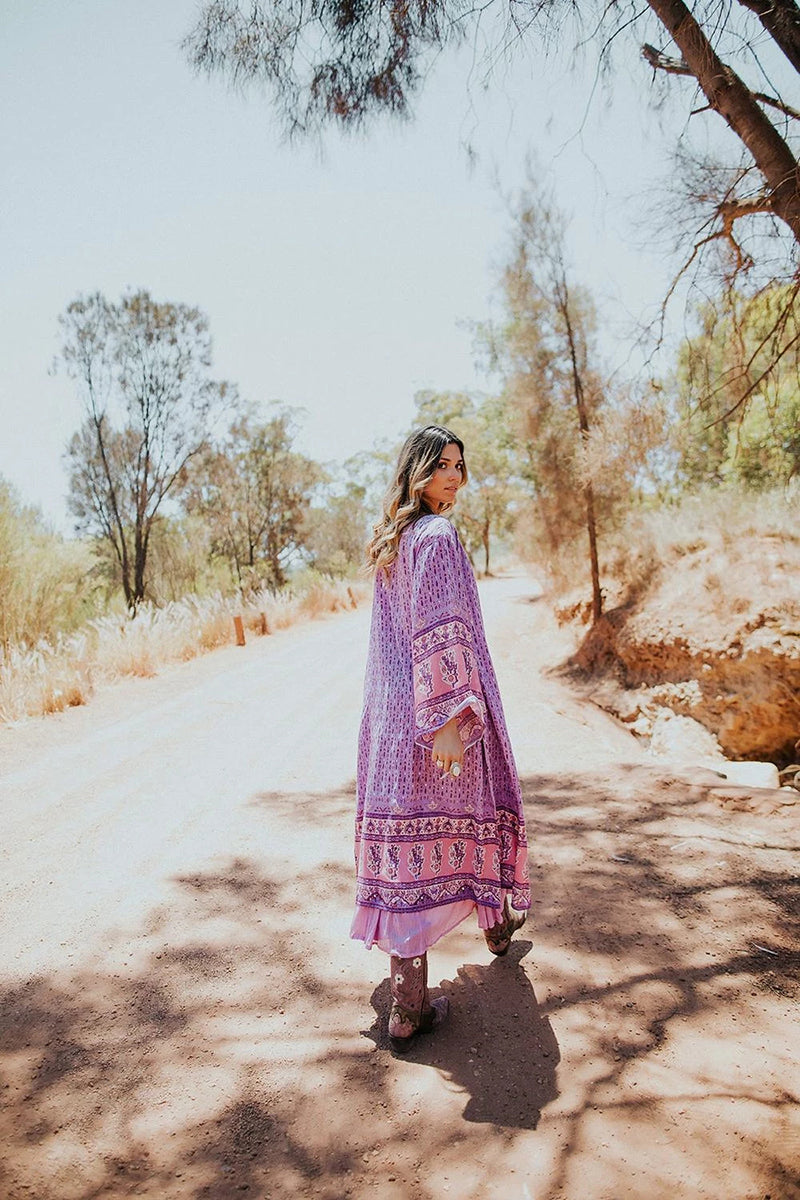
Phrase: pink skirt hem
x=411 y=933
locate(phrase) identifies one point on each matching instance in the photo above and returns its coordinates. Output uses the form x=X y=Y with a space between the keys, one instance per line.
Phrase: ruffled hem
x=410 y=933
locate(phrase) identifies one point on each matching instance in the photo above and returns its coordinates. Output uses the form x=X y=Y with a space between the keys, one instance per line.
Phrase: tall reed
x=64 y=672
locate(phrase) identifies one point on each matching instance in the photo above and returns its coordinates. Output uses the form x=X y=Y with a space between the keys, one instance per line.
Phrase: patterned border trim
x=438 y=637
x=435 y=825
x=433 y=894
x=428 y=895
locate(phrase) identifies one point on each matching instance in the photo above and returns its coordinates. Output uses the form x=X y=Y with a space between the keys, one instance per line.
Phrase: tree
x=181 y=561
x=253 y=489
x=546 y=352
x=343 y=62
x=339 y=523
x=486 y=507
x=142 y=368
x=738 y=391
x=47 y=586
x=337 y=528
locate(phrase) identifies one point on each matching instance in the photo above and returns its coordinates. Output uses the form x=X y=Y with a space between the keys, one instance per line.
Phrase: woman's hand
x=447 y=747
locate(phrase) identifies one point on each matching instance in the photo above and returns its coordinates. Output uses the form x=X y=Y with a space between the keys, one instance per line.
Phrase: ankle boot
x=498 y=938
x=413 y=1011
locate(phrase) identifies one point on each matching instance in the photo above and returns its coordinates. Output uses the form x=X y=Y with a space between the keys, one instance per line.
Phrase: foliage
x=547 y=354
x=252 y=490
x=339 y=522
x=336 y=530
x=182 y=562
x=47 y=585
x=737 y=392
x=340 y=62
x=142 y=368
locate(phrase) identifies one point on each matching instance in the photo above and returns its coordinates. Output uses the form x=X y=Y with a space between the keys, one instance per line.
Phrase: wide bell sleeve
x=446 y=681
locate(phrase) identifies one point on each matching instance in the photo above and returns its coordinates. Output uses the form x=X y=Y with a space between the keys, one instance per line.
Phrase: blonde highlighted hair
x=403 y=502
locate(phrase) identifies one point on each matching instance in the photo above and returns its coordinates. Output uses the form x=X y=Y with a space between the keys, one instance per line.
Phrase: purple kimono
x=430 y=849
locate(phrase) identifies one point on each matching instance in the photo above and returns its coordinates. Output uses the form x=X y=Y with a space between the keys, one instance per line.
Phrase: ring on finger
x=455 y=770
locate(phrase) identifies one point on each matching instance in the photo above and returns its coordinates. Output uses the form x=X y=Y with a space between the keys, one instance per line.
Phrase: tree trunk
x=127 y=587
x=781 y=19
x=591 y=528
x=485 y=540
x=117 y=532
x=139 y=560
x=728 y=95
x=274 y=559
x=583 y=423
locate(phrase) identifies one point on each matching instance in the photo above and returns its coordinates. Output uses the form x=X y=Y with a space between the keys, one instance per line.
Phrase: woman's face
x=447 y=479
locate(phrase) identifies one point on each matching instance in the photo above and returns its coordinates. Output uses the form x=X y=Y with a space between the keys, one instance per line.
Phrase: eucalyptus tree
x=252 y=488
x=142 y=368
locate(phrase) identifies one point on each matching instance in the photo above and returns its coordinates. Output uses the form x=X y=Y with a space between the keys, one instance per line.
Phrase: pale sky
x=340 y=284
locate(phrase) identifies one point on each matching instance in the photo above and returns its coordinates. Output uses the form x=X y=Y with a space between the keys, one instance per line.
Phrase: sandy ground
x=182 y=1013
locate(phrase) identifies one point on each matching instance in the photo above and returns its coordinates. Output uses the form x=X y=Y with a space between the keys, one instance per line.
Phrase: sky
x=338 y=281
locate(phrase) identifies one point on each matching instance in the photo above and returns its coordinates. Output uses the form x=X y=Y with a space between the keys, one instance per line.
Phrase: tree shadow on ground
x=217 y=1053
x=665 y=923
x=180 y=1074
x=496 y=1047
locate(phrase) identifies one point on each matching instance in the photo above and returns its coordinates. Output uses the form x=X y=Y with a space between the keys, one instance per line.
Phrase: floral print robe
x=431 y=849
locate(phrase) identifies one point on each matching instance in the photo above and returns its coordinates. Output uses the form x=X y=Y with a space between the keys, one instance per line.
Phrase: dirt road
x=182 y=1013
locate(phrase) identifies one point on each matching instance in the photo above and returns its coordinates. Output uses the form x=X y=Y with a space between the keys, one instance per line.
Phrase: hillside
x=713 y=636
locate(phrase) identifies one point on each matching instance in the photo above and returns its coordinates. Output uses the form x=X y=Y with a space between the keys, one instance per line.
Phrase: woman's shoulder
x=433 y=528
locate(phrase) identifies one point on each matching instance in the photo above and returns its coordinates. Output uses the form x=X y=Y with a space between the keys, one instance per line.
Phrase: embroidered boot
x=498 y=938
x=413 y=1011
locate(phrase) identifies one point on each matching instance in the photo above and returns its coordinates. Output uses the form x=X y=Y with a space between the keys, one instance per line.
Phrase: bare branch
x=662 y=62
x=676 y=66
x=781 y=106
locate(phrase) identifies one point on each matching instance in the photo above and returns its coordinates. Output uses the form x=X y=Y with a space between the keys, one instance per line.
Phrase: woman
x=439 y=826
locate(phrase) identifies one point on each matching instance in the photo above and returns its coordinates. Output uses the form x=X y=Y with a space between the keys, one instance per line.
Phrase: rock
x=626 y=706
x=790 y=776
x=752 y=774
x=683 y=739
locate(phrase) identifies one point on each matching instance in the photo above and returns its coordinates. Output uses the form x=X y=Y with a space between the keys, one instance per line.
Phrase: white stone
x=682 y=739
x=752 y=774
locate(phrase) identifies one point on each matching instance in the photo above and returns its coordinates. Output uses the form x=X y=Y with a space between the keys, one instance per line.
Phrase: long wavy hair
x=403 y=502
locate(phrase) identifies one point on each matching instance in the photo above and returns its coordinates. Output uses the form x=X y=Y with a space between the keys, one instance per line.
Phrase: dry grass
x=721 y=521
x=57 y=675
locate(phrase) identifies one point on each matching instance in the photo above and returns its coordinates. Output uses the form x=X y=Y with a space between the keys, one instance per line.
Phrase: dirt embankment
x=715 y=638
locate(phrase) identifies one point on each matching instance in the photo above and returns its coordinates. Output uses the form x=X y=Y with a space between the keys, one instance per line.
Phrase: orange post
x=239 y=628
